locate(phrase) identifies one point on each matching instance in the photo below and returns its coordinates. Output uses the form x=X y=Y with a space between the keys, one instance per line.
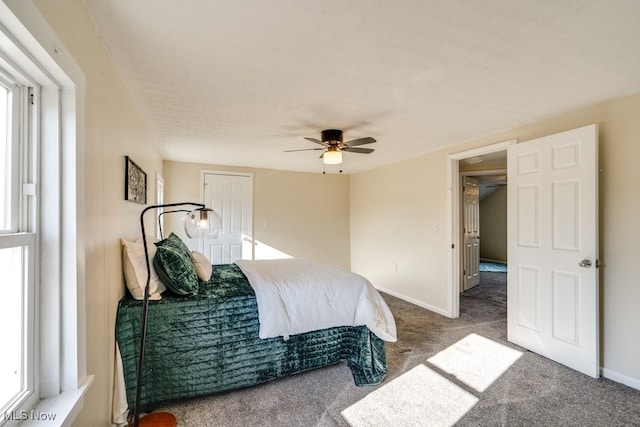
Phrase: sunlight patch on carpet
x=419 y=397
x=476 y=361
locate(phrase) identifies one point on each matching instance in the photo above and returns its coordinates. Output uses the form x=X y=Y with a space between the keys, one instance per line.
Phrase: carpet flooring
x=441 y=372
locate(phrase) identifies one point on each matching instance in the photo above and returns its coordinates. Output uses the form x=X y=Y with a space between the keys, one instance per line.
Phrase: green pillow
x=173 y=264
x=176 y=242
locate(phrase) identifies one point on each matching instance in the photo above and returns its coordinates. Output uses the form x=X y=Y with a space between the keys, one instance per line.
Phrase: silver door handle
x=585 y=263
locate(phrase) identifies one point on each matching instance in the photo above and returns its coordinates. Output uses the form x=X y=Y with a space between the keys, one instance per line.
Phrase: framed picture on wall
x=135 y=182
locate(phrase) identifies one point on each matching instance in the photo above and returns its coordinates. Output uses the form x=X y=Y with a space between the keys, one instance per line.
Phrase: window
x=159 y=201
x=5 y=157
x=9 y=145
x=17 y=246
x=42 y=362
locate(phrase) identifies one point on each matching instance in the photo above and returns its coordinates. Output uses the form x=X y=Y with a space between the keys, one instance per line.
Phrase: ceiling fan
x=333 y=146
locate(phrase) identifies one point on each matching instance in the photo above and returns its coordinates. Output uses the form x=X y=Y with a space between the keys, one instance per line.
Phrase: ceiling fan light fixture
x=332 y=157
x=333 y=146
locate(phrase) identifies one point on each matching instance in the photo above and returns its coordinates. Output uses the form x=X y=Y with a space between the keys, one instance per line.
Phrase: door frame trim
x=204 y=172
x=454 y=214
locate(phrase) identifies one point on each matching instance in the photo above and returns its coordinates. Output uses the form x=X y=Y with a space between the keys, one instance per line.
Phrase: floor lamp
x=167 y=212
x=199 y=222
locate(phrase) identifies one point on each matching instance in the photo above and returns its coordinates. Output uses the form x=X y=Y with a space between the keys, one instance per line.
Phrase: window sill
x=60 y=410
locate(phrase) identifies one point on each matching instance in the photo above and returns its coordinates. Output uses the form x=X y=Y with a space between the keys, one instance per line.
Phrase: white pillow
x=202 y=265
x=135 y=269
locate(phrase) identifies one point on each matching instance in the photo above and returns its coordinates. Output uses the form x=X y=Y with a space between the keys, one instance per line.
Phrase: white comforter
x=300 y=295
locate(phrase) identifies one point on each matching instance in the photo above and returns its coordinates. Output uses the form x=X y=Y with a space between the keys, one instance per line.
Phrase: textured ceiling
x=236 y=82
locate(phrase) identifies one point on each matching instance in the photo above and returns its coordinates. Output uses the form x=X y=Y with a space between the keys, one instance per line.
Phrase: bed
x=211 y=342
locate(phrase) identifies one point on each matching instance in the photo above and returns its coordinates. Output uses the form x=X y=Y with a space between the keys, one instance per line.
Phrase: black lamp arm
x=166 y=212
x=145 y=302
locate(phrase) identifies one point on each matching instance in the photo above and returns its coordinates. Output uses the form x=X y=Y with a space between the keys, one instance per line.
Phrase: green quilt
x=209 y=343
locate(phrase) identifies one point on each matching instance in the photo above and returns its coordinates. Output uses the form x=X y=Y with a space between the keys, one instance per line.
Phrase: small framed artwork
x=135 y=182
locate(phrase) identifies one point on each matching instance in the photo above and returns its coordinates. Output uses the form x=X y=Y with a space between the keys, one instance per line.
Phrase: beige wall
x=300 y=214
x=493 y=226
x=395 y=210
x=399 y=229
x=113 y=129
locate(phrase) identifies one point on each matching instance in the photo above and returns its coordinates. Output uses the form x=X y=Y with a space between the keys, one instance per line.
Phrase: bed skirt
x=208 y=343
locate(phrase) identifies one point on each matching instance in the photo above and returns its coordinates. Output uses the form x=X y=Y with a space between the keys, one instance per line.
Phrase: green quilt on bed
x=209 y=342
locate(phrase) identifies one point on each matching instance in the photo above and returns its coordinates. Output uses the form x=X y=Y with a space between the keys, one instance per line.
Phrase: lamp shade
x=202 y=222
x=332 y=157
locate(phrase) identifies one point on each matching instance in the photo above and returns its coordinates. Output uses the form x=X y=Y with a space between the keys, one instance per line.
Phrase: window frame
x=55 y=196
x=159 y=200
x=22 y=162
x=28 y=397
x=15 y=93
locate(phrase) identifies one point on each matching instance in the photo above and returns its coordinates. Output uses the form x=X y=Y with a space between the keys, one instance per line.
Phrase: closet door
x=471 y=232
x=231 y=196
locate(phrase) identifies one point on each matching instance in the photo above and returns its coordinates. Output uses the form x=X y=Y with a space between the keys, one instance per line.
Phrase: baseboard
x=414 y=302
x=619 y=378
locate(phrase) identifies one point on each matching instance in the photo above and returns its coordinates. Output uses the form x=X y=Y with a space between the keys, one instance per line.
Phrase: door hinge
x=453 y=246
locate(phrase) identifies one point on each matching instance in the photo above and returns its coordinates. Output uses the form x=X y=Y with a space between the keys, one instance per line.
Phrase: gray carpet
x=532 y=391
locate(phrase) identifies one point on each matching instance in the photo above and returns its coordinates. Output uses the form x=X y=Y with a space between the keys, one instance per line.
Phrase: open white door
x=552 y=306
x=471 y=232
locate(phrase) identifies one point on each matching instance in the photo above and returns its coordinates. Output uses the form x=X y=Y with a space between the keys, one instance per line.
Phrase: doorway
x=456 y=258
x=484 y=218
x=553 y=228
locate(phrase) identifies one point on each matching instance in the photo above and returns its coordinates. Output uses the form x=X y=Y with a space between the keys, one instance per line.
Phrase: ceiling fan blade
x=360 y=141
x=317 y=141
x=303 y=149
x=359 y=150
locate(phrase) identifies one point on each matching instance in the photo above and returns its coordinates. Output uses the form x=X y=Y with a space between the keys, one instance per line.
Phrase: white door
x=552 y=278
x=471 y=232
x=231 y=196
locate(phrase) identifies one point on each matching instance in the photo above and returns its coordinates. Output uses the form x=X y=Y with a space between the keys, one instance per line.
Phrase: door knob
x=585 y=263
